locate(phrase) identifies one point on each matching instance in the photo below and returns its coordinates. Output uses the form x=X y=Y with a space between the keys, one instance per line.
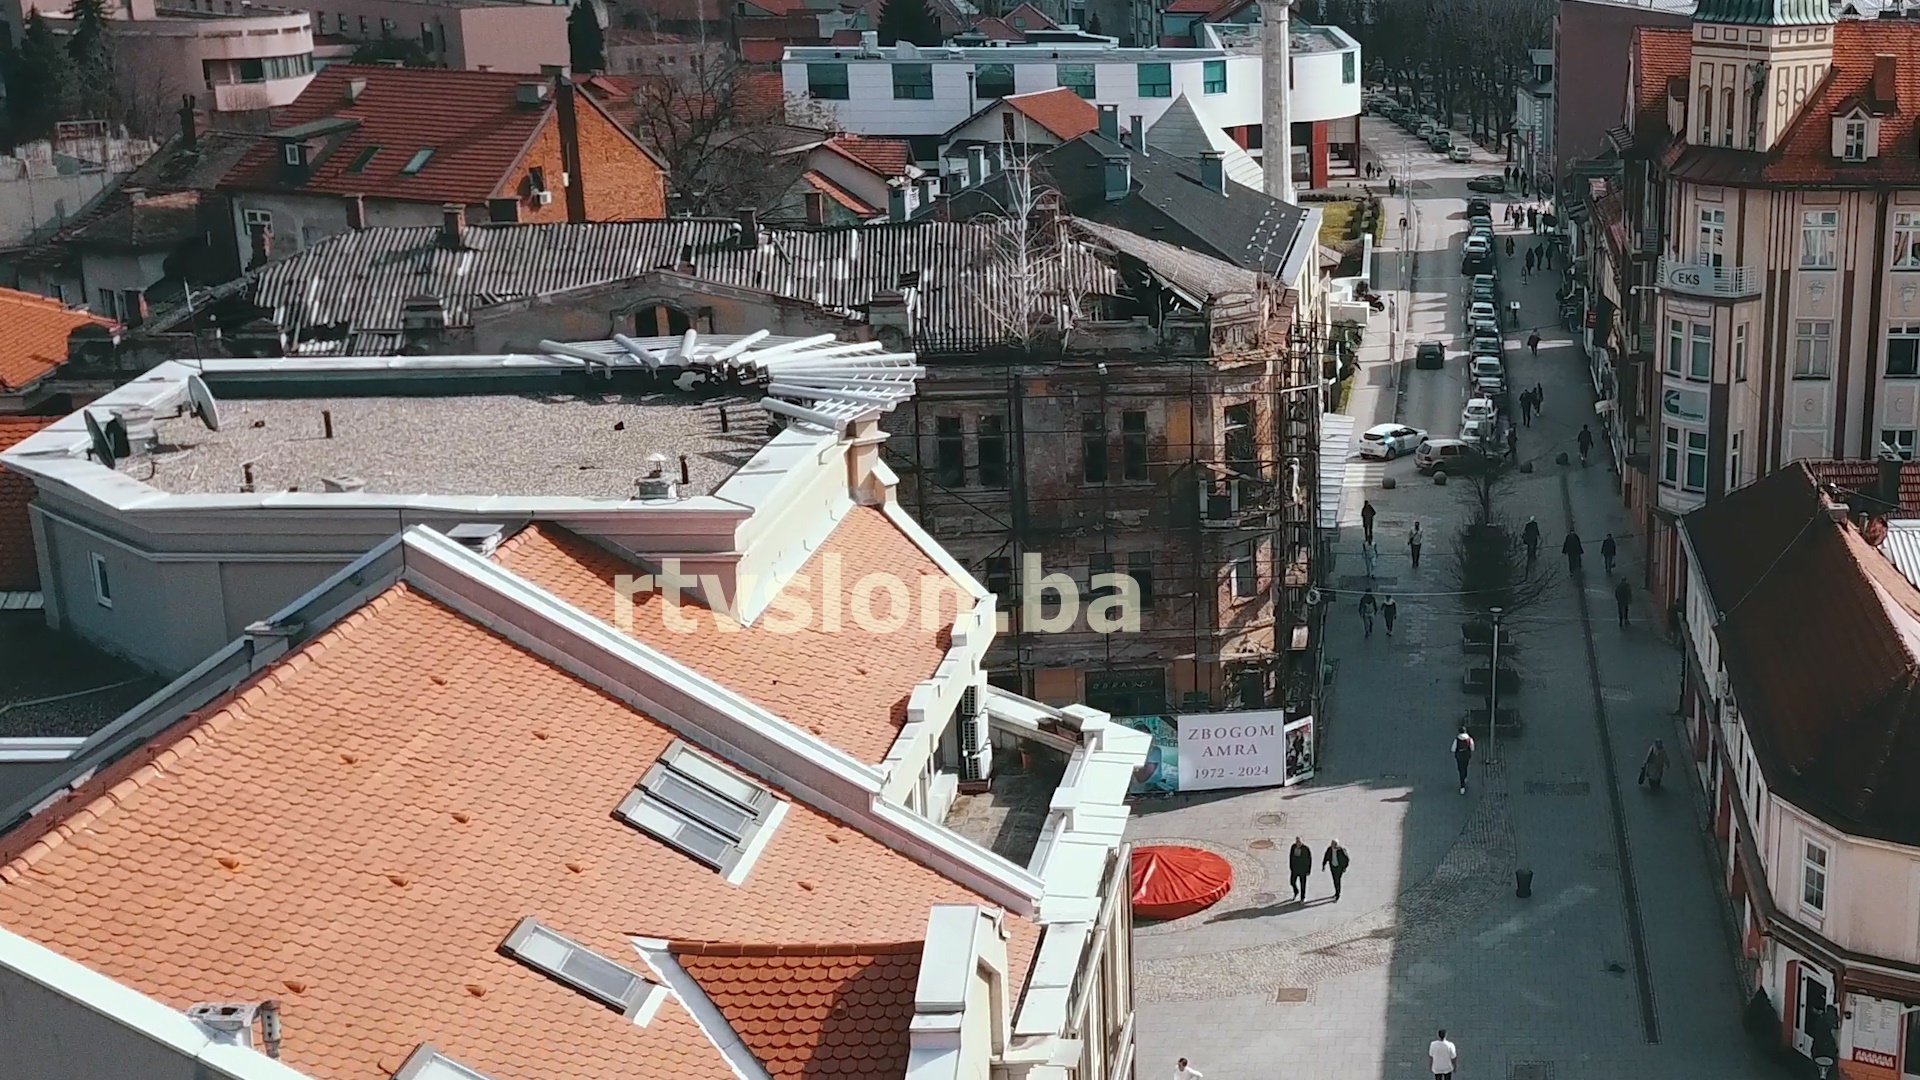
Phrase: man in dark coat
x=1573 y=549
x=1335 y=862
x=1299 y=867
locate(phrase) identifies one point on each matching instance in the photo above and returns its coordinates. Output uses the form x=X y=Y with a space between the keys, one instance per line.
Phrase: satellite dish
x=115 y=429
x=200 y=402
x=1313 y=597
x=102 y=449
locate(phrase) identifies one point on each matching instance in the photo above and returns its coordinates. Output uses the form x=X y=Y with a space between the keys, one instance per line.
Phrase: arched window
x=1726 y=110
x=1703 y=104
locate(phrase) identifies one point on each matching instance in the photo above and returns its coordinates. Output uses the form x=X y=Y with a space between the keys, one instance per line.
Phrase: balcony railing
x=1702 y=279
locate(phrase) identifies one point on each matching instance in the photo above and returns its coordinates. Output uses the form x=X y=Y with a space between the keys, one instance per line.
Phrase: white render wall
x=1320 y=91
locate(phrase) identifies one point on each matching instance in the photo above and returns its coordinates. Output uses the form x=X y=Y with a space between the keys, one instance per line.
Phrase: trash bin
x=1523 y=883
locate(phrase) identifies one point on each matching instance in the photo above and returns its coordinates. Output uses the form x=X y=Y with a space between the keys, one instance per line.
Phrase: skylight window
x=417 y=162
x=693 y=803
x=579 y=967
x=426 y=1063
x=363 y=159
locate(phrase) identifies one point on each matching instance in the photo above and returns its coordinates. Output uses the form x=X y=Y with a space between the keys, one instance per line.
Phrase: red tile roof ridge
x=726 y=948
x=117 y=785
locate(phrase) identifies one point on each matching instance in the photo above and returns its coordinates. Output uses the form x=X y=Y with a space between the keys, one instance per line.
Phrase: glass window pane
x=720 y=779
x=702 y=805
x=696 y=840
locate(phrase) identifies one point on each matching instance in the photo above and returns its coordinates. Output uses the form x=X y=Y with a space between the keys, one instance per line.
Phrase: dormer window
x=294 y=154
x=1853 y=140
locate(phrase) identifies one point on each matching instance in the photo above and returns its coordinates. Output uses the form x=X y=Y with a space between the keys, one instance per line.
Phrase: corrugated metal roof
x=951 y=275
x=1336 y=441
x=1902 y=547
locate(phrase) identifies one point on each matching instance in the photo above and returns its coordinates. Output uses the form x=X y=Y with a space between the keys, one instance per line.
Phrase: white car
x=1389 y=441
x=1478 y=409
x=1459 y=153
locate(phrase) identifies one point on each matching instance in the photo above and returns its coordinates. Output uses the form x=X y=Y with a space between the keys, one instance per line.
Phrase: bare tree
x=1032 y=291
x=721 y=131
x=1489 y=566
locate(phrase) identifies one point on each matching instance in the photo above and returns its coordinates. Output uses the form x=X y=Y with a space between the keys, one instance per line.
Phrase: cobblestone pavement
x=1429 y=933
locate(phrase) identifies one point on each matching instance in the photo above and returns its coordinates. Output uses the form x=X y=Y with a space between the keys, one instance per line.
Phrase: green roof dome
x=1764 y=12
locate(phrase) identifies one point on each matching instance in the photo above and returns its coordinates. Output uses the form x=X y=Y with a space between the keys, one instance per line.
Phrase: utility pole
x=1493 y=692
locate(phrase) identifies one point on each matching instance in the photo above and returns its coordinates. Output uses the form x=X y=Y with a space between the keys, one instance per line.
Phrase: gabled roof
x=762 y=50
x=824 y=184
x=889 y=158
x=156 y=223
x=1063 y=113
x=1182 y=132
x=1820 y=635
x=994 y=28
x=355 y=832
x=813 y=1012
x=1862 y=478
x=846 y=685
x=1034 y=17
x=472 y=121
x=33 y=336
x=1659 y=54
x=19 y=565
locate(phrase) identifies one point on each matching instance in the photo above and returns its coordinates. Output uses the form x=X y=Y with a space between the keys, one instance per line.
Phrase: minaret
x=1276 y=158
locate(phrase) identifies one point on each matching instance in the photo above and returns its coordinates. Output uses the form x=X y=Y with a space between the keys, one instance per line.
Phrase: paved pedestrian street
x=1620 y=963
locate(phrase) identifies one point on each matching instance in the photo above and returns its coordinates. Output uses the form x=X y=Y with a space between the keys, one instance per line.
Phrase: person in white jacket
x=1441 y=1054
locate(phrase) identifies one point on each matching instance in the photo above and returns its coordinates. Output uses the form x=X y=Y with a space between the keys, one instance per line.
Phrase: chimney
x=356 y=212
x=355 y=88
x=749 y=228
x=570 y=146
x=816 y=207
x=976 y=166
x=423 y=324
x=929 y=190
x=1119 y=177
x=1110 y=123
x=1276 y=105
x=453 y=226
x=1213 y=172
x=685 y=265
x=869 y=43
x=1890 y=466
x=189 y=123
x=896 y=202
x=133 y=193
x=1139 y=129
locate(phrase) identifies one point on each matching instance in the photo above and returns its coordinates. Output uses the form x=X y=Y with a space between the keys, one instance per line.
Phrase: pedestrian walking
x=1509 y=247
x=1299 y=868
x=1529 y=262
x=1335 y=862
x=1526 y=408
x=1652 y=771
x=1513 y=443
x=1462 y=755
x=1533 y=220
x=1533 y=343
x=1539 y=397
x=1367 y=607
x=1574 y=550
x=1367 y=514
x=1370 y=557
x=1184 y=1071
x=1389 y=610
x=1441 y=1054
x=1608 y=549
x=1530 y=536
x=1414 y=540
x=1585 y=441
x=1623 y=599
x=1513 y=314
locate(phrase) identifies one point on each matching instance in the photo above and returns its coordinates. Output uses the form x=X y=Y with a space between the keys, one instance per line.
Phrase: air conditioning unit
x=976 y=745
x=543 y=198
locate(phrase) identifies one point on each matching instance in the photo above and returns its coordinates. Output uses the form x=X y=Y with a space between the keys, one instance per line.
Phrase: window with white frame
x=1898 y=440
x=565 y=960
x=1906 y=240
x=1819 y=239
x=1903 y=350
x=1676 y=346
x=1740 y=353
x=102 y=584
x=1700 y=355
x=1670 y=457
x=1853 y=140
x=1696 y=478
x=1246 y=569
x=1813 y=349
x=1726 y=114
x=706 y=810
x=1813 y=877
x=1733 y=459
x=1704 y=102
x=1713 y=236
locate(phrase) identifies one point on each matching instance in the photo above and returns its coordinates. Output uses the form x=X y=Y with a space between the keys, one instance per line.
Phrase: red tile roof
x=19 y=566
x=33 y=336
x=847 y=685
x=1190 y=7
x=1034 y=17
x=996 y=29
x=844 y=37
x=1062 y=112
x=1864 y=477
x=355 y=833
x=813 y=1013
x=762 y=51
x=820 y=182
x=1817 y=630
x=471 y=119
x=885 y=157
x=1660 y=53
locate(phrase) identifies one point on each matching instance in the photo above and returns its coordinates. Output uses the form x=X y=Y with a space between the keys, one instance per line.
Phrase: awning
x=1336 y=442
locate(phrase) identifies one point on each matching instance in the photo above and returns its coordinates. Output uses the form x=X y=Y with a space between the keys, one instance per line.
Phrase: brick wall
x=622 y=182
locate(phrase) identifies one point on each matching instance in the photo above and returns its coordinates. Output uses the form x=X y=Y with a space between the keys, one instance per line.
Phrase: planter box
x=1507 y=722
x=1474 y=680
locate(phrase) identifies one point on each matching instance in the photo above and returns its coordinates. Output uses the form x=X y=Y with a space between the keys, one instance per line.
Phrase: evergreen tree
x=908 y=20
x=90 y=47
x=585 y=40
x=39 y=80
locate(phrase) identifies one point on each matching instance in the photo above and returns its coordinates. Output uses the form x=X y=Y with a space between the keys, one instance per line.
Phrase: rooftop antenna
x=200 y=402
x=102 y=449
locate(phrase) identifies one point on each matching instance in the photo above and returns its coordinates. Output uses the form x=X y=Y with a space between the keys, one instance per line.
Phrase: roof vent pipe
x=1119 y=177
x=1110 y=123
x=453 y=226
x=896 y=203
x=1213 y=172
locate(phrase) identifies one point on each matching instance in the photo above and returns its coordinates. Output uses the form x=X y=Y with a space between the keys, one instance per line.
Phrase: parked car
x=1479 y=206
x=1491 y=183
x=1489 y=377
x=1441 y=141
x=1487 y=344
x=1430 y=355
x=1389 y=441
x=1478 y=409
x=1487 y=282
x=1459 y=153
x=1427 y=129
x=1448 y=456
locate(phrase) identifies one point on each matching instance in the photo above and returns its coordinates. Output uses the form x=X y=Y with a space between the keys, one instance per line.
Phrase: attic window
x=578 y=966
x=426 y=1063
x=417 y=162
x=693 y=803
x=1853 y=140
x=294 y=154
x=363 y=159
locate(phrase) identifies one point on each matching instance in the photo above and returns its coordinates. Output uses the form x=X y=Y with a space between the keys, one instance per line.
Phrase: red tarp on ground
x=1172 y=882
